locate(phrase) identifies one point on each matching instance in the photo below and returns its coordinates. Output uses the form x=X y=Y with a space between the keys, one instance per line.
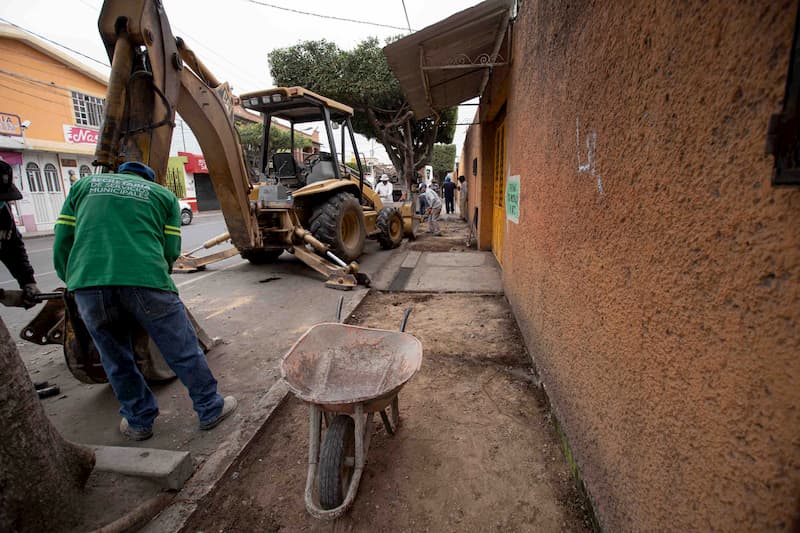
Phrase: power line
x=329 y=17
x=65 y=47
x=406 y=12
x=20 y=91
x=240 y=72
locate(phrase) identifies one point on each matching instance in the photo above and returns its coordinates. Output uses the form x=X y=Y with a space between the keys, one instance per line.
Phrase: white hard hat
x=384 y=177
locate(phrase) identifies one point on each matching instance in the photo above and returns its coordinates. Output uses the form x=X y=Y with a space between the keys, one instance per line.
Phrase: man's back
x=117 y=229
x=449 y=188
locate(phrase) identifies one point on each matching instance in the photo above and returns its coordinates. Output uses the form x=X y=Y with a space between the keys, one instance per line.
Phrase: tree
x=444 y=159
x=280 y=140
x=362 y=79
x=41 y=474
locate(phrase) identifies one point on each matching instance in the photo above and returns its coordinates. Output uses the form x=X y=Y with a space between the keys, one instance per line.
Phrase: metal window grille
x=84 y=170
x=51 y=178
x=88 y=109
x=176 y=183
x=34 y=177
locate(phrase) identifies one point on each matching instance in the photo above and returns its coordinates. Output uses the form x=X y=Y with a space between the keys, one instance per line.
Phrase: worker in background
x=384 y=189
x=462 y=197
x=12 y=249
x=115 y=241
x=434 y=208
x=449 y=189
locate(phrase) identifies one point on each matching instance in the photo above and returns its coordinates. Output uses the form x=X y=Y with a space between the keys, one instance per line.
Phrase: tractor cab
x=297 y=105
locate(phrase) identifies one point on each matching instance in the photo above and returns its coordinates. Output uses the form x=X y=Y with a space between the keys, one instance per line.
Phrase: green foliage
x=250 y=136
x=362 y=79
x=444 y=159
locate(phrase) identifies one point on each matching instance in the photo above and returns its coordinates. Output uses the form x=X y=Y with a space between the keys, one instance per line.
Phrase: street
x=256 y=311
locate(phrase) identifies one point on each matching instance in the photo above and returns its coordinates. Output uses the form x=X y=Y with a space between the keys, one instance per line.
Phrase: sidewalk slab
x=456 y=272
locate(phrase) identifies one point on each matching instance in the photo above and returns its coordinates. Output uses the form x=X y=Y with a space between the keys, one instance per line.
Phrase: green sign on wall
x=512 y=199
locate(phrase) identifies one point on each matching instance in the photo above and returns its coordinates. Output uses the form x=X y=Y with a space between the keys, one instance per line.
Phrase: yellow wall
x=47 y=107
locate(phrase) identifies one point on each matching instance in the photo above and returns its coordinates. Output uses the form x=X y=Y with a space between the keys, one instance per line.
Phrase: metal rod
x=339 y=306
x=406 y=314
x=336 y=259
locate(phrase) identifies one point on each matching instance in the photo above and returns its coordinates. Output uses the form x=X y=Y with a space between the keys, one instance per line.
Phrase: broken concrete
x=168 y=468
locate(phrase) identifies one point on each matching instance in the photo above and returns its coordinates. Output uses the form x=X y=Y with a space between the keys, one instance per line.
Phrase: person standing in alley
x=462 y=197
x=12 y=250
x=449 y=189
x=115 y=241
x=434 y=208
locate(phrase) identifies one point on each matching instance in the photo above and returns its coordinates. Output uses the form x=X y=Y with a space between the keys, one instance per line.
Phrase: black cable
x=329 y=17
x=65 y=47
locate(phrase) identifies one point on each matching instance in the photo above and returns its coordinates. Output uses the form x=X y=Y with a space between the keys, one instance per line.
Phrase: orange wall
x=48 y=108
x=655 y=273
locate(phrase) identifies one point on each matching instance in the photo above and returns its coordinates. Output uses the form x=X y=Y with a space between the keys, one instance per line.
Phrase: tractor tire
x=334 y=470
x=261 y=257
x=390 y=224
x=339 y=223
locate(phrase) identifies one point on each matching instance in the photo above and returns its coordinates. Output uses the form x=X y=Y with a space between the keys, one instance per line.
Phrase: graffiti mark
x=591 y=149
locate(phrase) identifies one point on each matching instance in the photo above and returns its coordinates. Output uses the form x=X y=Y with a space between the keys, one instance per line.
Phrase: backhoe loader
x=320 y=212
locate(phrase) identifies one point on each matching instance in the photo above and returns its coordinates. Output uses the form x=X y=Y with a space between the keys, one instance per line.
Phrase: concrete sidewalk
x=441 y=264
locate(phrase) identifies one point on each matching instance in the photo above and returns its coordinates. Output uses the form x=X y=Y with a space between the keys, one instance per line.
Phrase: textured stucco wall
x=655 y=272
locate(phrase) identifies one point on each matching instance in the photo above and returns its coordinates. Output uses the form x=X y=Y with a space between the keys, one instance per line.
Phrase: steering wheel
x=311 y=159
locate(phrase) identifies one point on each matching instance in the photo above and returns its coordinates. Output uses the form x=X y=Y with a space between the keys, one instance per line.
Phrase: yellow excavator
x=317 y=209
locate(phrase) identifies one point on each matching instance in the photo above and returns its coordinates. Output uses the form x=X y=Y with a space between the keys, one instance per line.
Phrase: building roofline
x=10 y=32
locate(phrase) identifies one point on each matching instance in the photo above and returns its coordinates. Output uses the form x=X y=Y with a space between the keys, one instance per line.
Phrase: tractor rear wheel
x=390 y=224
x=339 y=223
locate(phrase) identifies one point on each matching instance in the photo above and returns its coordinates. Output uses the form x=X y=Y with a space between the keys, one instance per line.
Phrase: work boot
x=134 y=434
x=227 y=408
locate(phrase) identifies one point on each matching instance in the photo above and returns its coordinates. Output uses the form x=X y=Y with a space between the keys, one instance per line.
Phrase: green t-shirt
x=117 y=229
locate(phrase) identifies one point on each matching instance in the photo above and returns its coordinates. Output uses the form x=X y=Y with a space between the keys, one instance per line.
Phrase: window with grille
x=51 y=178
x=175 y=182
x=84 y=170
x=34 y=177
x=88 y=109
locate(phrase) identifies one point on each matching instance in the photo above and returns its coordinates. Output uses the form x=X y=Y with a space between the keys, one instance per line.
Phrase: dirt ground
x=475 y=451
x=453 y=238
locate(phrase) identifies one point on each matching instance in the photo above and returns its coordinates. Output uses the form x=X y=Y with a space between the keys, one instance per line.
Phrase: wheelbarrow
x=346 y=374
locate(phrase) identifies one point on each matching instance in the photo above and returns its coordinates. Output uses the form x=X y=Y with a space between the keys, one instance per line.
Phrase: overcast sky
x=234 y=37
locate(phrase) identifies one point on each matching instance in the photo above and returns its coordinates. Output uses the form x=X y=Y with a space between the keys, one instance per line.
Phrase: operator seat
x=286 y=169
x=322 y=169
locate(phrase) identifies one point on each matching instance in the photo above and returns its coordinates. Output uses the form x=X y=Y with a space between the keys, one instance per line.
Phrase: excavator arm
x=153 y=75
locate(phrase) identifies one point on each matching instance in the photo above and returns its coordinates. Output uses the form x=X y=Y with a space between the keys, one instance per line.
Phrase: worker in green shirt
x=115 y=241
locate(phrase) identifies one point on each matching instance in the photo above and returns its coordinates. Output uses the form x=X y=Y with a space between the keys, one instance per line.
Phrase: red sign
x=80 y=135
x=194 y=163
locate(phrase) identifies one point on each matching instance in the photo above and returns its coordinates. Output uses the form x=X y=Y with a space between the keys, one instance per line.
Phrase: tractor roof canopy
x=295 y=104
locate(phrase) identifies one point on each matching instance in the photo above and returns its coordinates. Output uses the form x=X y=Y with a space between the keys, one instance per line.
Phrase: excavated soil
x=453 y=238
x=476 y=449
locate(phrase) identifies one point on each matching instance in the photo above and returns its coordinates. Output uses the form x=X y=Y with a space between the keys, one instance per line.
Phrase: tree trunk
x=41 y=473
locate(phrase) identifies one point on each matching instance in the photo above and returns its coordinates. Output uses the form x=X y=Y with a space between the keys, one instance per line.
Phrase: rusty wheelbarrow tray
x=346 y=374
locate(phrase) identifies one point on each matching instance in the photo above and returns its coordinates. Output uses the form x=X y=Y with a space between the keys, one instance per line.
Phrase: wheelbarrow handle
x=406 y=314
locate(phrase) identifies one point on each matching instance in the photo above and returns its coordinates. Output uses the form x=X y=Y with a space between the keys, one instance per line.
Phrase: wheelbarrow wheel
x=336 y=462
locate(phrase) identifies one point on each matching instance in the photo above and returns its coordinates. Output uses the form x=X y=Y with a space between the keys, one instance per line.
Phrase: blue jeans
x=108 y=313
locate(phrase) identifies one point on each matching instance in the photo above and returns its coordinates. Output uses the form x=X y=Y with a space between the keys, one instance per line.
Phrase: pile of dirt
x=476 y=449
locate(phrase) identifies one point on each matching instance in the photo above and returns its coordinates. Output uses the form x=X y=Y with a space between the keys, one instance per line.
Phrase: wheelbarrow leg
x=391 y=427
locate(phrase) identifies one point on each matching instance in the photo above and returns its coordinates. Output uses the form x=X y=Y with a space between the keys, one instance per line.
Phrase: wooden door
x=499 y=192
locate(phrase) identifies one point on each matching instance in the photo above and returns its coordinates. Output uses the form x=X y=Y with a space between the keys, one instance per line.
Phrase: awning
x=449 y=62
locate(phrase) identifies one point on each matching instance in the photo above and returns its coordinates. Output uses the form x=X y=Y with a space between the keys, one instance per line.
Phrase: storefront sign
x=69 y=162
x=195 y=163
x=10 y=124
x=512 y=199
x=80 y=135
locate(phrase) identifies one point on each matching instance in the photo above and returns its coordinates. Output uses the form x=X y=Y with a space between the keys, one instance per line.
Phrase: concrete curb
x=217 y=465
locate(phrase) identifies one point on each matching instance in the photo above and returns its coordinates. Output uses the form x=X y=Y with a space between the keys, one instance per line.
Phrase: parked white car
x=186 y=213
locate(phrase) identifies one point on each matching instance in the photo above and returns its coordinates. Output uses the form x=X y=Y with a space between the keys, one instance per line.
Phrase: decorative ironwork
x=481 y=59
